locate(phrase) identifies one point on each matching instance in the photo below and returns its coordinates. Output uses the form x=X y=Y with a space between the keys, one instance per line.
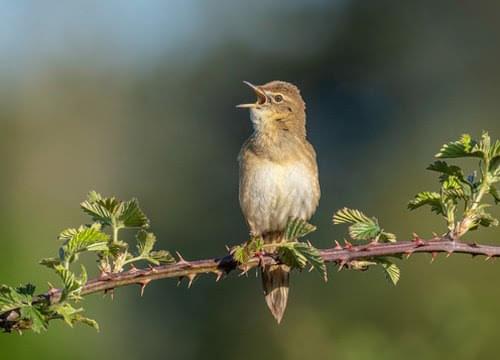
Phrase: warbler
x=278 y=177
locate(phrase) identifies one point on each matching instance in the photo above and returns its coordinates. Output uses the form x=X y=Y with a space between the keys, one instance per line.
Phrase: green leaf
x=117 y=247
x=297 y=228
x=364 y=231
x=50 y=262
x=313 y=257
x=145 y=242
x=350 y=216
x=13 y=298
x=86 y=321
x=240 y=254
x=464 y=147
x=443 y=168
x=111 y=211
x=496 y=195
x=66 y=311
x=485 y=219
x=432 y=199
x=494 y=155
x=387 y=237
x=391 y=270
x=161 y=256
x=37 y=320
x=72 y=283
x=289 y=255
x=243 y=253
x=84 y=239
x=27 y=290
x=99 y=208
x=131 y=215
x=362 y=228
x=299 y=254
x=70 y=315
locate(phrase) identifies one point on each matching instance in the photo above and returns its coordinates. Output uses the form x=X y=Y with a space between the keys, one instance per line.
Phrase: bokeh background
x=137 y=99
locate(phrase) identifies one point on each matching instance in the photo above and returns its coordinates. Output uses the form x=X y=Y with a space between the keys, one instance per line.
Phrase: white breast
x=276 y=193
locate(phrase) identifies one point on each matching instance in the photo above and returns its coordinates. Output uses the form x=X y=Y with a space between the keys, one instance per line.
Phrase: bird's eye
x=278 y=98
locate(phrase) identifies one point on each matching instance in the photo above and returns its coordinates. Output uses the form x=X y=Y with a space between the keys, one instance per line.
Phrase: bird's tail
x=275 y=282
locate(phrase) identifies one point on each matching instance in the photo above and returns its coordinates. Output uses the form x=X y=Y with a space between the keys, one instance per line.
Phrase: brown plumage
x=278 y=176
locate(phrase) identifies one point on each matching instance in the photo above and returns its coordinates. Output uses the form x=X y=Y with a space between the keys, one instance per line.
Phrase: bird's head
x=279 y=107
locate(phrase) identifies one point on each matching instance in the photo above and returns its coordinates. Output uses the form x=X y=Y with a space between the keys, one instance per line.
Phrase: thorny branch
x=341 y=255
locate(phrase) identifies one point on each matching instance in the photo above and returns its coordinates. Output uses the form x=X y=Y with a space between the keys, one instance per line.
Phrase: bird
x=278 y=177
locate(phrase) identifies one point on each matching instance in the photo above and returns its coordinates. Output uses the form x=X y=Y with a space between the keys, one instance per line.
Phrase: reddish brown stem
x=220 y=266
x=226 y=264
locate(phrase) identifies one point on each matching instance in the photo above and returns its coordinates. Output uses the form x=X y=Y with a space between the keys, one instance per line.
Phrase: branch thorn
x=337 y=245
x=418 y=240
x=143 y=285
x=348 y=245
x=133 y=269
x=219 y=274
x=191 y=278
x=343 y=262
x=244 y=270
x=182 y=261
x=152 y=269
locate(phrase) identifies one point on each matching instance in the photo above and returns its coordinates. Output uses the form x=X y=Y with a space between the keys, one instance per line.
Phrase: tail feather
x=275 y=281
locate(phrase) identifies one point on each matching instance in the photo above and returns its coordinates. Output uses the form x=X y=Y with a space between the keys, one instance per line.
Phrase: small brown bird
x=278 y=176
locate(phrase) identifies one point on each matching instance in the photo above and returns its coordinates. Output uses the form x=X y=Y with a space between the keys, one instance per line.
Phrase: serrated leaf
x=84 y=239
x=243 y=253
x=115 y=248
x=443 y=168
x=100 y=209
x=495 y=151
x=362 y=228
x=496 y=195
x=313 y=257
x=70 y=315
x=255 y=245
x=85 y=320
x=50 y=262
x=487 y=220
x=145 y=242
x=37 y=320
x=69 y=279
x=351 y=216
x=464 y=147
x=432 y=199
x=13 y=298
x=239 y=253
x=66 y=311
x=392 y=271
x=289 y=255
x=364 y=231
x=297 y=228
x=161 y=256
x=387 y=237
x=26 y=290
x=131 y=215
x=299 y=254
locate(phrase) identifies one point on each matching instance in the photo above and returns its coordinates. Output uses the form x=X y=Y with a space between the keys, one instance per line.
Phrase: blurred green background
x=137 y=99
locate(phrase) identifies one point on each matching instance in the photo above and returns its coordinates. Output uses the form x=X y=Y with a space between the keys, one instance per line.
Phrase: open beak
x=261 y=97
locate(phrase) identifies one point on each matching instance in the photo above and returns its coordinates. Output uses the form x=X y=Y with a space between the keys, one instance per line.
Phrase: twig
x=224 y=265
